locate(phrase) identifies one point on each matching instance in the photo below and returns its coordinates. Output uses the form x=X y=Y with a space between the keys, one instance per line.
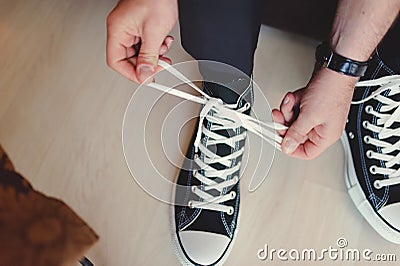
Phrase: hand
x=316 y=115
x=137 y=36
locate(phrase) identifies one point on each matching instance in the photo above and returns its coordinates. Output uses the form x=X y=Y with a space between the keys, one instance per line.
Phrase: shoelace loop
x=265 y=130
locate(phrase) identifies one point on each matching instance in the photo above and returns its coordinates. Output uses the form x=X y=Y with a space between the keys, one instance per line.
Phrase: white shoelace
x=223 y=117
x=383 y=129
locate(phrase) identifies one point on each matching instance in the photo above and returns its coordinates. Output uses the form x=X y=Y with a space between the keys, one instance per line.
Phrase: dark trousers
x=221 y=30
x=389 y=48
x=227 y=31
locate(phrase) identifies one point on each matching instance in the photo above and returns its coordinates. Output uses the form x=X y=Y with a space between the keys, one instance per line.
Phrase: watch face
x=322 y=54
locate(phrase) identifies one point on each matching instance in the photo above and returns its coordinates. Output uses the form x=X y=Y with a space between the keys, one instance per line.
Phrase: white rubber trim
x=175 y=243
x=357 y=195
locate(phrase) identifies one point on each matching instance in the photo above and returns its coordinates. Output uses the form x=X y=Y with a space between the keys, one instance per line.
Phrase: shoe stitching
x=360 y=139
x=388 y=69
x=222 y=214
x=184 y=208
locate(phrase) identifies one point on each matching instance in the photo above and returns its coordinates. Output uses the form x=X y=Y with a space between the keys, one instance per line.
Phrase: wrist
x=330 y=76
x=326 y=57
x=350 y=50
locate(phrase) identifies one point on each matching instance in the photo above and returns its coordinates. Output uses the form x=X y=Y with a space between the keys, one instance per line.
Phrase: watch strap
x=326 y=57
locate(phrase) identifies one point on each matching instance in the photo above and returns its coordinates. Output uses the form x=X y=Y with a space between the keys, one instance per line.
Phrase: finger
x=158 y=68
x=166 y=46
x=306 y=151
x=148 y=55
x=278 y=117
x=169 y=41
x=116 y=55
x=165 y=59
x=314 y=137
x=163 y=50
x=312 y=148
x=136 y=40
x=132 y=60
x=288 y=106
x=130 y=52
x=119 y=63
x=297 y=133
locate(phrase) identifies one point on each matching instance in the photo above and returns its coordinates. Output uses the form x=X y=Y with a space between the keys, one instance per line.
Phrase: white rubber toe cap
x=204 y=248
x=391 y=213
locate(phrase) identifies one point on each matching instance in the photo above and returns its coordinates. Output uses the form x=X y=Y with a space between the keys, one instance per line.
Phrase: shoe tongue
x=378 y=107
x=234 y=92
x=223 y=150
x=230 y=93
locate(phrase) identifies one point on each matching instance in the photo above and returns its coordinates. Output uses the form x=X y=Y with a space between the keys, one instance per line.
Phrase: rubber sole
x=360 y=201
x=177 y=247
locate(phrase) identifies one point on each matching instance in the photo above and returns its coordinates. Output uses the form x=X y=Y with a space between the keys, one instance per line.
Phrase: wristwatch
x=326 y=57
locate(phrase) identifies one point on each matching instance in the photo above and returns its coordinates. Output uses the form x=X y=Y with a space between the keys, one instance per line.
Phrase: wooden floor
x=61 y=112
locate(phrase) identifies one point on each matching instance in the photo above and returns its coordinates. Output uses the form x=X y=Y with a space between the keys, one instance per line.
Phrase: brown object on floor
x=5 y=163
x=36 y=229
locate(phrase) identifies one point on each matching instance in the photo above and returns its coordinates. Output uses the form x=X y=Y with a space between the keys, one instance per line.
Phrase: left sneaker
x=371 y=143
x=206 y=214
x=206 y=196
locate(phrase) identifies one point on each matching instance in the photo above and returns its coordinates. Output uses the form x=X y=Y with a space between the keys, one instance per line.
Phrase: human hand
x=137 y=36
x=316 y=115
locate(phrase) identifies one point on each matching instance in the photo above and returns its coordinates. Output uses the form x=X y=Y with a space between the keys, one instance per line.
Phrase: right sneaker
x=371 y=143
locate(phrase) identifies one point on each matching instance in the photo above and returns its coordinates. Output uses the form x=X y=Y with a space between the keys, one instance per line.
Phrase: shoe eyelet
x=236 y=178
x=247 y=106
x=230 y=211
x=372 y=169
x=365 y=124
x=232 y=194
x=369 y=109
x=369 y=154
x=351 y=135
x=190 y=204
x=377 y=184
x=194 y=173
x=367 y=139
x=194 y=188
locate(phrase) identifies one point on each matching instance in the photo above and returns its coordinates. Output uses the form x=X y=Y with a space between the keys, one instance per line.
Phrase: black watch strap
x=327 y=58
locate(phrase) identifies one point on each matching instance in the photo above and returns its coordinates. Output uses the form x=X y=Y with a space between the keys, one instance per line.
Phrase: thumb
x=297 y=134
x=148 y=56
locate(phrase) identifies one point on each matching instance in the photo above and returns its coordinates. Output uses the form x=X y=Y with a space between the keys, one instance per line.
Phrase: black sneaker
x=206 y=212
x=372 y=143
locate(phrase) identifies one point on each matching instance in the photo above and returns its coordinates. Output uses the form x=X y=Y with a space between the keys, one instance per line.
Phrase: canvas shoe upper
x=372 y=143
x=206 y=221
